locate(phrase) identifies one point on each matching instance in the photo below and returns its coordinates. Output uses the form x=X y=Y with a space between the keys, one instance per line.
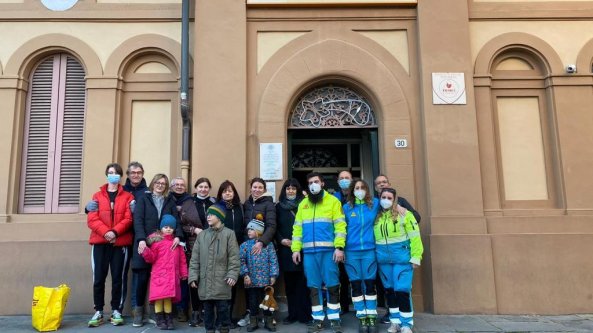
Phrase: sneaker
x=97 y=319
x=244 y=321
x=385 y=319
x=116 y=318
x=394 y=328
x=336 y=325
x=314 y=326
x=406 y=329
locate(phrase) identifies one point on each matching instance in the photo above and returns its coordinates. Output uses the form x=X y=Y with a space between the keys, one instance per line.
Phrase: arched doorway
x=333 y=128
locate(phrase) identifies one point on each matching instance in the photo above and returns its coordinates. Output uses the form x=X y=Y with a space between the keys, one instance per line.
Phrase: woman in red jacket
x=111 y=240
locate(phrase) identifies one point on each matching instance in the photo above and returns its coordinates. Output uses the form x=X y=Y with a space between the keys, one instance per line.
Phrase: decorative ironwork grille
x=332 y=107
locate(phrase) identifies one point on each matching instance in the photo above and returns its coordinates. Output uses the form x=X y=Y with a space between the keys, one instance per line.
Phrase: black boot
x=269 y=323
x=252 y=324
x=372 y=321
x=169 y=321
x=161 y=323
x=195 y=319
x=363 y=326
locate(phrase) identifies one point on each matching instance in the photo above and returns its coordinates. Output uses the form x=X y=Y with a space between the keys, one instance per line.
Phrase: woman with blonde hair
x=150 y=209
x=399 y=251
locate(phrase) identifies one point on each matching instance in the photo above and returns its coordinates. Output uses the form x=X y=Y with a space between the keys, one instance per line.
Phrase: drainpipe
x=184 y=93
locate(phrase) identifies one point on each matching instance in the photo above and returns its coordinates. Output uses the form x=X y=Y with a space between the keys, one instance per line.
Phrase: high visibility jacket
x=319 y=227
x=393 y=235
x=360 y=220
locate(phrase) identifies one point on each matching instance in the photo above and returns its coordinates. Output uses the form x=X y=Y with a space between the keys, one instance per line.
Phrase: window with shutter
x=54 y=127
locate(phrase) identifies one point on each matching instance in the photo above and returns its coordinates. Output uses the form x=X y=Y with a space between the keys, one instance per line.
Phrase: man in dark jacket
x=382 y=182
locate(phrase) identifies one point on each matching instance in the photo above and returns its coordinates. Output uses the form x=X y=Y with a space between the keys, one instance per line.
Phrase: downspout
x=184 y=92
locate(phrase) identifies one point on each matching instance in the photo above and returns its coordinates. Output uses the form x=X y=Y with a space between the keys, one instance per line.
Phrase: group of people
x=196 y=251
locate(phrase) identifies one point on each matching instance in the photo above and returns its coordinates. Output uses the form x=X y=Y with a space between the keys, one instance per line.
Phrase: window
x=54 y=128
x=523 y=123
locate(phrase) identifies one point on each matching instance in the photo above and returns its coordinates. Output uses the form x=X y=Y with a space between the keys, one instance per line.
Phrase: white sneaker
x=393 y=328
x=406 y=329
x=244 y=321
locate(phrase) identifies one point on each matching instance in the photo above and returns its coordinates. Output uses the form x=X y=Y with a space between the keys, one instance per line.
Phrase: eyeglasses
x=178 y=185
x=136 y=172
x=160 y=184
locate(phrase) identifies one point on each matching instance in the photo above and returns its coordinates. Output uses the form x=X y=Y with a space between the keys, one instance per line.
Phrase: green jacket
x=214 y=259
x=390 y=234
x=319 y=227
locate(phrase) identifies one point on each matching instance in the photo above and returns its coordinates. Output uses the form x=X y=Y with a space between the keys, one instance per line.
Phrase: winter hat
x=217 y=210
x=256 y=225
x=168 y=220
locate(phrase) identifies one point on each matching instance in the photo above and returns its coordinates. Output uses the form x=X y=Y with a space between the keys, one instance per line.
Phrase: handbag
x=48 y=306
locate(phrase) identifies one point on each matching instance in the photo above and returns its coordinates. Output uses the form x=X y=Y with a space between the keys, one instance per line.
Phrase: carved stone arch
x=518 y=41
x=350 y=62
x=585 y=58
x=352 y=38
x=136 y=46
x=28 y=55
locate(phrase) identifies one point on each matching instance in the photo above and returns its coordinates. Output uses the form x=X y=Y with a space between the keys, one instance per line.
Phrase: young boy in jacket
x=214 y=268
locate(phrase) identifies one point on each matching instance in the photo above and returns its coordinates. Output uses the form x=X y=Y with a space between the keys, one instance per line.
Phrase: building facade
x=479 y=111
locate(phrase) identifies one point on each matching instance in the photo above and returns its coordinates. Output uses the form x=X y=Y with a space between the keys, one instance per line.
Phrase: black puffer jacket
x=234 y=221
x=147 y=221
x=285 y=214
x=263 y=205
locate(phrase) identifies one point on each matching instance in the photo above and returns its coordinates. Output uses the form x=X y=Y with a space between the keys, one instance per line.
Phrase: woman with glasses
x=399 y=251
x=150 y=208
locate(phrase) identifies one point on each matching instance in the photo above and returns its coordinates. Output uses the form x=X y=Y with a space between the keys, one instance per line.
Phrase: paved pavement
x=425 y=323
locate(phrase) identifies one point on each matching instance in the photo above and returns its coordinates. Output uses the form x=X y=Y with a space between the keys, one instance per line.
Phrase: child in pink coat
x=168 y=268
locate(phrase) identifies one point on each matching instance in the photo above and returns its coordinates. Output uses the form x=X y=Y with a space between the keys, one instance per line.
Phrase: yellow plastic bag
x=48 y=307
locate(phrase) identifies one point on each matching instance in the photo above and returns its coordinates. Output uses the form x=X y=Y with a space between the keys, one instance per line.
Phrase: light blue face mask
x=113 y=178
x=344 y=183
x=291 y=197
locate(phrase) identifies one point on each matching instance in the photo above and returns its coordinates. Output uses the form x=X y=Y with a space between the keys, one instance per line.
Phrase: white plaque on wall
x=270 y=161
x=448 y=88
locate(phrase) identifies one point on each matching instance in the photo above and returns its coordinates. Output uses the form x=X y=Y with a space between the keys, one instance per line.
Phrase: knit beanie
x=217 y=210
x=169 y=221
x=256 y=225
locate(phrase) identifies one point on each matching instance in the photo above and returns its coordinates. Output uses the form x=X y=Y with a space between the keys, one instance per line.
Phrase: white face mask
x=314 y=188
x=386 y=203
x=359 y=194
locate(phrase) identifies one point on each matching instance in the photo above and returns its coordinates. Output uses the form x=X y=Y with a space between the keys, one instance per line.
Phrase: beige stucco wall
x=480 y=257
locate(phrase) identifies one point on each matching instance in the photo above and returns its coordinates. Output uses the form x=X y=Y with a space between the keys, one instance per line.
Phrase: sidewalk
x=424 y=323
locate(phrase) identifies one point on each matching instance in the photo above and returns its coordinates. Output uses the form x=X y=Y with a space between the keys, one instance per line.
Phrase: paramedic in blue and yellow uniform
x=361 y=211
x=320 y=232
x=399 y=250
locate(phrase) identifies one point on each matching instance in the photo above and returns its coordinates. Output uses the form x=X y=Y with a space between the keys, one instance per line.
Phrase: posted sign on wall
x=270 y=161
x=448 y=88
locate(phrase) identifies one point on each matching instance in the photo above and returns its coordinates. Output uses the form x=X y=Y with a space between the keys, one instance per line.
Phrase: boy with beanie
x=258 y=271
x=214 y=268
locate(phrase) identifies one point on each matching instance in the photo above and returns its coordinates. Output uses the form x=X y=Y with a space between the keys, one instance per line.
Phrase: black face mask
x=178 y=195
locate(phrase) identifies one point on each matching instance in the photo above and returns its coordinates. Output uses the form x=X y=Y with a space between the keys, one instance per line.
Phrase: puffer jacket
x=147 y=220
x=214 y=259
x=168 y=267
x=234 y=220
x=263 y=206
x=359 y=225
x=117 y=219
